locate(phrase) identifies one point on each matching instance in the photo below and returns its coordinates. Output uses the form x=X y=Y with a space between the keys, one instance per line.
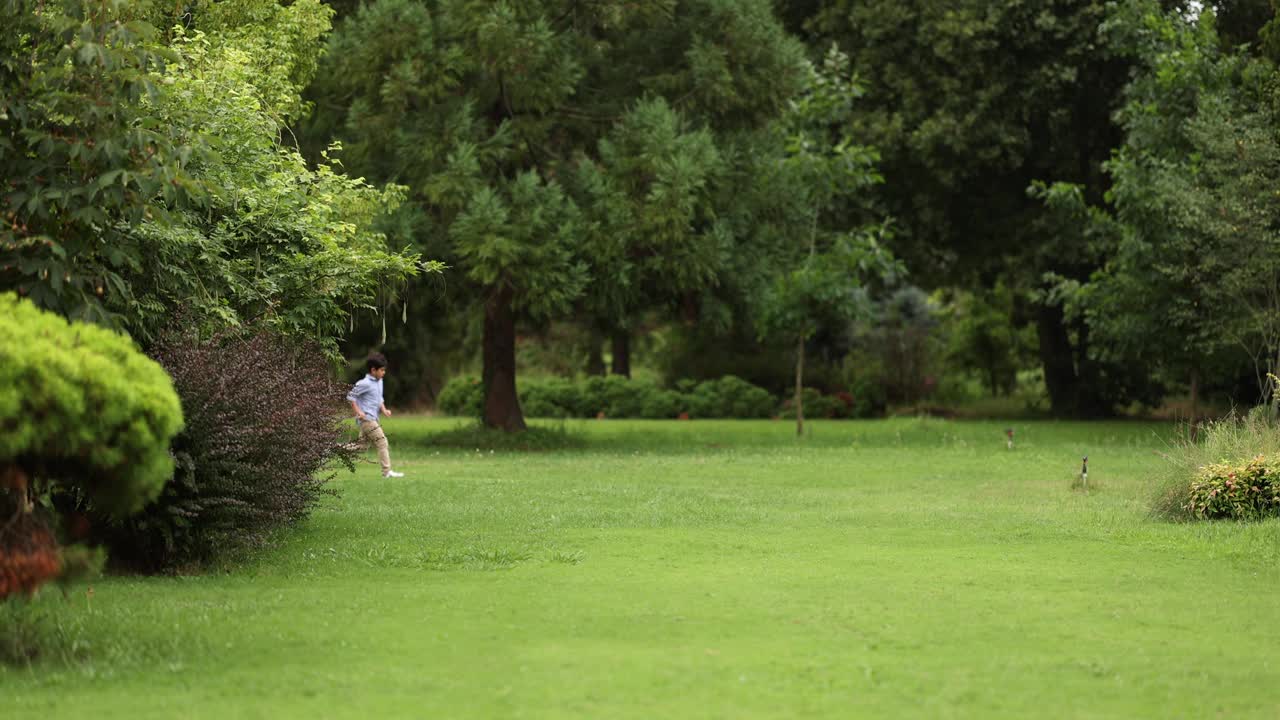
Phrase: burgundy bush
x=262 y=433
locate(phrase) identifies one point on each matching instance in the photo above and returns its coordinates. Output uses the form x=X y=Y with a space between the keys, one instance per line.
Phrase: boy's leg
x=362 y=440
x=379 y=440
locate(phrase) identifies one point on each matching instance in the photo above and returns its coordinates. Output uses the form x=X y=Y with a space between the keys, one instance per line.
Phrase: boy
x=366 y=399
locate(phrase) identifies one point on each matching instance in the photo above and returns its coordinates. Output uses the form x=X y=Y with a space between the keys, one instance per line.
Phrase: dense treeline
x=914 y=196
x=630 y=171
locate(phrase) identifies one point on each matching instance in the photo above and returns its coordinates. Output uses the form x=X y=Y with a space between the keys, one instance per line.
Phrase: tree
x=825 y=165
x=556 y=107
x=84 y=163
x=147 y=171
x=968 y=103
x=652 y=236
x=1192 y=274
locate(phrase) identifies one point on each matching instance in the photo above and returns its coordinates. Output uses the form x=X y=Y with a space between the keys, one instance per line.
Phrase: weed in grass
x=568 y=558
x=473 y=559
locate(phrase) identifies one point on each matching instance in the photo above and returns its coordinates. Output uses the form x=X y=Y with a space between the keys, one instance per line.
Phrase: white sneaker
x=392 y=474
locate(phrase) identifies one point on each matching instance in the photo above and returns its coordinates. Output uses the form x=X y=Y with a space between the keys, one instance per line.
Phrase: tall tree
x=462 y=101
x=968 y=104
x=146 y=171
x=823 y=286
x=1192 y=280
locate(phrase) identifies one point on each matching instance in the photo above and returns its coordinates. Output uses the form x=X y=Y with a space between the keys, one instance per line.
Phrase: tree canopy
x=146 y=170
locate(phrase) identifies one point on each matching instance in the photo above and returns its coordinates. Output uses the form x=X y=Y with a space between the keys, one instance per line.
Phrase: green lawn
x=901 y=568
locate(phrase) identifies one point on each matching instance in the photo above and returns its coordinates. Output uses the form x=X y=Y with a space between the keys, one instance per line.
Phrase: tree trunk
x=800 y=387
x=1195 y=396
x=14 y=481
x=501 y=404
x=1058 y=360
x=595 y=358
x=622 y=353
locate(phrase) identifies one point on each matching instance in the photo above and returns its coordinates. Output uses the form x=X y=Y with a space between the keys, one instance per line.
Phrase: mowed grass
x=899 y=568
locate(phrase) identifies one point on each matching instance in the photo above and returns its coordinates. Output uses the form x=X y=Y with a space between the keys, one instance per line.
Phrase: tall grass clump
x=1229 y=470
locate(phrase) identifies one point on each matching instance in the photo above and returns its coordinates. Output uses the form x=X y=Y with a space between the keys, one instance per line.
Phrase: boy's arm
x=385 y=410
x=359 y=413
x=357 y=390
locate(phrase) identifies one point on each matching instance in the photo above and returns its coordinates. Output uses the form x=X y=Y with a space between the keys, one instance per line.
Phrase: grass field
x=900 y=568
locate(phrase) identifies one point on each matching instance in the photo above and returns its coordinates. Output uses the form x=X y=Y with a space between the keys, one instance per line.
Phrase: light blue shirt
x=367 y=395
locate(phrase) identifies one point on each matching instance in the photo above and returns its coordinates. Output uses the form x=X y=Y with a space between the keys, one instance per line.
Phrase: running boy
x=366 y=399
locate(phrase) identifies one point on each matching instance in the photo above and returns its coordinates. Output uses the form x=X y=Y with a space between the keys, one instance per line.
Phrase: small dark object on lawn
x=1008 y=433
x=1084 y=472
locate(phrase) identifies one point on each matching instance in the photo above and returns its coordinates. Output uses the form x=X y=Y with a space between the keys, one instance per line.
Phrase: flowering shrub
x=1248 y=491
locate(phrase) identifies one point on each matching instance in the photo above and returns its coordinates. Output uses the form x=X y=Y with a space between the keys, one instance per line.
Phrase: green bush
x=661 y=405
x=868 y=399
x=1237 y=491
x=462 y=396
x=817 y=405
x=553 y=398
x=618 y=397
x=730 y=397
x=82 y=407
x=1230 y=469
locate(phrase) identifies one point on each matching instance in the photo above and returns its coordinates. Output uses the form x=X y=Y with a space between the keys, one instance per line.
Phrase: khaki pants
x=371 y=434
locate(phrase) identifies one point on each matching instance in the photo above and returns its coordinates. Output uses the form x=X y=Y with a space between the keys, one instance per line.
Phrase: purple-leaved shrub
x=261 y=439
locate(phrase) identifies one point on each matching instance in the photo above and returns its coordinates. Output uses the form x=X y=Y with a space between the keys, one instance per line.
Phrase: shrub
x=1230 y=471
x=28 y=555
x=82 y=413
x=619 y=397
x=1238 y=491
x=816 y=405
x=550 y=398
x=462 y=396
x=729 y=397
x=263 y=423
x=661 y=405
x=80 y=405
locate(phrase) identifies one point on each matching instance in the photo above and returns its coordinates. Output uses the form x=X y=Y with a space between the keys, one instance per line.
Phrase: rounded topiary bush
x=81 y=407
x=661 y=405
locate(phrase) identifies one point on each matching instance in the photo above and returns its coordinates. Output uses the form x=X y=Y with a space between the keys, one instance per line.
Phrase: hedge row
x=617 y=397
